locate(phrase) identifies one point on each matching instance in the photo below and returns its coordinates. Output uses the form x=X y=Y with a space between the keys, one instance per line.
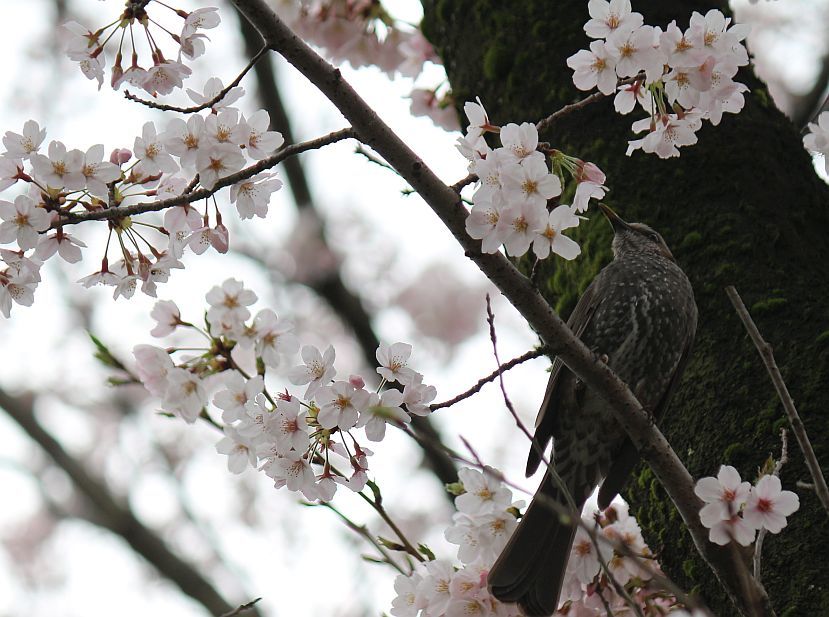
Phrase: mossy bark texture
x=742 y=207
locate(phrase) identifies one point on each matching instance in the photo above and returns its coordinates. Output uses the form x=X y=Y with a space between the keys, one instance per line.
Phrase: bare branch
x=652 y=445
x=206 y=104
x=530 y=355
x=114 y=516
x=241 y=609
x=783 y=392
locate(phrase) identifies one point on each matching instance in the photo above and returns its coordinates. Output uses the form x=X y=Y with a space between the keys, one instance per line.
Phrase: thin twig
x=758 y=544
x=458 y=186
x=575 y=510
x=70 y=218
x=241 y=609
x=378 y=507
x=543 y=125
x=196 y=108
x=363 y=532
x=530 y=355
x=782 y=391
x=373 y=158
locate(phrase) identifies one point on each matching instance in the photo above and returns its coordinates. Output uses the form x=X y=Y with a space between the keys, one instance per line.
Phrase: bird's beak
x=615 y=220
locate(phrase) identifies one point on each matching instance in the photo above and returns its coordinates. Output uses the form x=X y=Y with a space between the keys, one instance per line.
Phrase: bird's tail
x=530 y=569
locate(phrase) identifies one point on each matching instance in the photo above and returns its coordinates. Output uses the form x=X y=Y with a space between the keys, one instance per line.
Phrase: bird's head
x=633 y=238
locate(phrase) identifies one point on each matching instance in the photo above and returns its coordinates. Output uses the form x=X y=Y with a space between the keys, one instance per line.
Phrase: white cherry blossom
x=768 y=504
x=317 y=371
x=393 y=360
x=253 y=195
x=548 y=237
x=23 y=146
x=22 y=221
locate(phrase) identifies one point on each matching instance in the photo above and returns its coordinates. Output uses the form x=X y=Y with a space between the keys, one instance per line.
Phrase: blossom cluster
x=162 y=75
x=817 y=139
x=679 y=77
x=364 y=33
x=307 y=441
x=485 y=519
x=59 y=182
x=735 y=510
x=515 y=199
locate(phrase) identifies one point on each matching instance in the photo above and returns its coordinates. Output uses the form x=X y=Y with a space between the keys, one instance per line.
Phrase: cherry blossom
x=517 y=225
x=216 y=162
x=768 y=505
x=229 y=305
x=531 y=182
x=380 y=410
x=594 y=68
x=317 y=371
x=290 y=429
x=252 y=195
x=23 y=146
x=483 y=493
x=548 y=237
x=22 y=221
x=182 y=139
x=393 y=360
x=406 y=603
x=152 y=157
x=417 y=396
x=817 y=139
x=239 y=396
x=260 y=143
x=240 y=451
x=98 y=173
x=62 y=243
x=341 y=404
x=723 y=495
x=294 y=471
x=608 y=17
x=520 y=141
x=61 y=169
x=168 y=317
x=185 y=394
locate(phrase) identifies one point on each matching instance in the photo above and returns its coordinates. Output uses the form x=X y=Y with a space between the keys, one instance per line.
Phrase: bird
x=639 y=316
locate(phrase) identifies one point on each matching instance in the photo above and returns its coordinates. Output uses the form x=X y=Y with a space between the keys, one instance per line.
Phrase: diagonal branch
x=70 y=218
x=798 y=429
x=115 y=516
x=445 y=202
x=530 y=355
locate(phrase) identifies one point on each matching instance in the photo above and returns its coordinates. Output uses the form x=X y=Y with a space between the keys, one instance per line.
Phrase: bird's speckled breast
x=642 y=325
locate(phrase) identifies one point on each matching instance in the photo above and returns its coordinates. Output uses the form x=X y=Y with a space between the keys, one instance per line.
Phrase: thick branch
x=116 y=517
x=445 y=202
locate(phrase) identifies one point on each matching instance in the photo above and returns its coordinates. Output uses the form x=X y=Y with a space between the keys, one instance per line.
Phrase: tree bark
x=742 y=207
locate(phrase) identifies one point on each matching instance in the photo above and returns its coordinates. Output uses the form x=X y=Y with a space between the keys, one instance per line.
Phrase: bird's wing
x=545 y=421
x=627 y=457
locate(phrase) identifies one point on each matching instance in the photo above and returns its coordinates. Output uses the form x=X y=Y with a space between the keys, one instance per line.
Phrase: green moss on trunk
x=742 y=207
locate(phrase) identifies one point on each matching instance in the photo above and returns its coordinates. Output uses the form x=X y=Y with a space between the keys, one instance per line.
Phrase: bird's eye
x=654 y=237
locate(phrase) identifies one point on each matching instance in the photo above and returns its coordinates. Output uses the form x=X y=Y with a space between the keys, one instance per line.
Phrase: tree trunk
x=742 y=207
